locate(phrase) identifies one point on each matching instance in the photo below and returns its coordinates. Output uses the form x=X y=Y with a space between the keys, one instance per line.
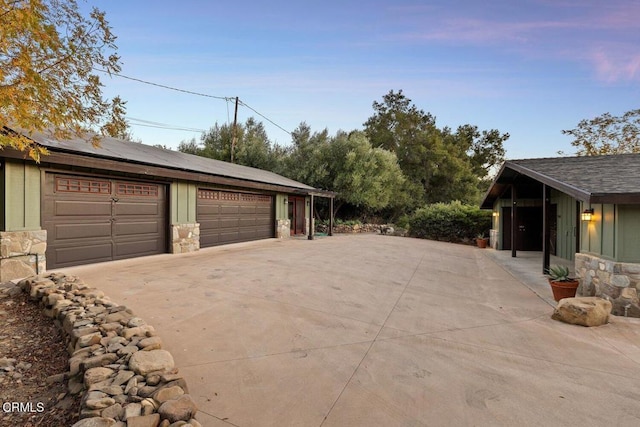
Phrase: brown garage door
x=227 y=217
x=96 y=219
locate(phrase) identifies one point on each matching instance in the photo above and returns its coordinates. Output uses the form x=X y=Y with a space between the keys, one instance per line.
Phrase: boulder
x=95 y=375
x=181 y=409
x=144 y=362
x=95 y=422
x=584 y=311
x=151 y=420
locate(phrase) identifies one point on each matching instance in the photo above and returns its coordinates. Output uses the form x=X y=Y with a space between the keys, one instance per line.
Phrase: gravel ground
x=32 y=354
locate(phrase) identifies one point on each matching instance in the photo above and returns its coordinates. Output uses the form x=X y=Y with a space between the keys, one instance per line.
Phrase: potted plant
x=562 y=285
x=482 y=241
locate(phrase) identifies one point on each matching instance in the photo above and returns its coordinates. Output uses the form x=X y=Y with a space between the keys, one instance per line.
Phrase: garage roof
x=592 y=179
x=132 y=152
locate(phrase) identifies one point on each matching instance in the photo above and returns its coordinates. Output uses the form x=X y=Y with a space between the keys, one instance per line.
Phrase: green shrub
x=451 y=222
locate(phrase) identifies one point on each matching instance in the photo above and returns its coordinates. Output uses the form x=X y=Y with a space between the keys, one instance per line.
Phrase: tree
x=215 y=143
x=49 y=54
x=607 y=134
x=363 y=176
x=253 y=147
x=440 y=166
x=305 y=162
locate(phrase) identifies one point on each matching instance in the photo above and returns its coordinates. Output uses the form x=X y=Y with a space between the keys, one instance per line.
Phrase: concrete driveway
x=374 y=331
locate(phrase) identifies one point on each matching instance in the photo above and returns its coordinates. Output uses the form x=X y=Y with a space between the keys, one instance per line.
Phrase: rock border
x=117 y=365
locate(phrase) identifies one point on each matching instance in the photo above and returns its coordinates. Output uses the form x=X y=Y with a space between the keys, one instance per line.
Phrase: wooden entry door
x=529 y=231
x=296 y=215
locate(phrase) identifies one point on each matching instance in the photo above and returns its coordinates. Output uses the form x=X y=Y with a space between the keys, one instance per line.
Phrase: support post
x=331 y=216
x=311 y=221
x=546 y=227
x=514 y=217
x=578 y=226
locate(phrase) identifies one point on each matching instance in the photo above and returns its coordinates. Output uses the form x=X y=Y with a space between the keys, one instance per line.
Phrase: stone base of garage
x=22 y=254
x=618 y=282
x=283 y=228
x=185 y=238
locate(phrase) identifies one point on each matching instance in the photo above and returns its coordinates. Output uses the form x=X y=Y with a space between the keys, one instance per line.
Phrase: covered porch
x=526 y=268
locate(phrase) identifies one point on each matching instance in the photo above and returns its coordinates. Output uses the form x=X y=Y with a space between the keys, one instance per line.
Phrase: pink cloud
x=611 y=67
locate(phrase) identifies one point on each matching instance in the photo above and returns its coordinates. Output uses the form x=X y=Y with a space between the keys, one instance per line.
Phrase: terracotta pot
x=482 y=243
x=564 y=289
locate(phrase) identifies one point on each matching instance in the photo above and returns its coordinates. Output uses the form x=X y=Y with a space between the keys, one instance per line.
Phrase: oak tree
x=50 y=59
x=607 y=134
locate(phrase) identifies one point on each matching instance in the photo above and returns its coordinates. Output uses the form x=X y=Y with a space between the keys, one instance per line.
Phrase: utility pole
x=234 y=139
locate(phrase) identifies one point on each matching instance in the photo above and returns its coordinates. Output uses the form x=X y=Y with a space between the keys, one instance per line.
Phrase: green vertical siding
x=628 y=233
x=183 y=202
x=598 y=236
x=608 y=231
x=566 y=224
x=3 y=205
x=21 y=196
x=595 y=230
x=282 y=206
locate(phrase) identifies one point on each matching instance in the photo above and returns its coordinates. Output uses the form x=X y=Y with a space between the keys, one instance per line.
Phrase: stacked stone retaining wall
x=117 y=365
x=617 y=282
x=361 y=228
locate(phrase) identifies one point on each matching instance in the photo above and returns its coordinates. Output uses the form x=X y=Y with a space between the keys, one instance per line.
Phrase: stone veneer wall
x=185 y=238
x=283 y=228
x=617 y=282
x=22 y=254
x=117 y=363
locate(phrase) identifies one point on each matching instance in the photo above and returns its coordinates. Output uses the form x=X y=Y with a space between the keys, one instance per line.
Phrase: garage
x=230 y=217
x=86 y=203
x=93 y=219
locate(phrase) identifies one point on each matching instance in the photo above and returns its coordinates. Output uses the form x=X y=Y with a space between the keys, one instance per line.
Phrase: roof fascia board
x=616 y=199
x=572 y=191
x=485 y=203
x=71 y=159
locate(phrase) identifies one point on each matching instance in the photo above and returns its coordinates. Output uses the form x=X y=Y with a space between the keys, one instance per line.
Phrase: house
x=84 y=204
x=585 y=210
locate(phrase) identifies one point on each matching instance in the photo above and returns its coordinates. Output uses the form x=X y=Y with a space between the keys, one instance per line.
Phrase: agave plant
x=559 y=273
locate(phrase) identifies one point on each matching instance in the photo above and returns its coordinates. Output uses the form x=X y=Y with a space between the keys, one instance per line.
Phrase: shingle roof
x=596 y=179
x=131 y=152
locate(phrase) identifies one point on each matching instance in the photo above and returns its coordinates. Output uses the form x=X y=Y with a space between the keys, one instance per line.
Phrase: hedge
x=451 y=222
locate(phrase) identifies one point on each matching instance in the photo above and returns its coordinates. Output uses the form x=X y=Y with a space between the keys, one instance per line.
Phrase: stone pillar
x=185 y=238
x=283 y=228
x=22 y=254
x=618 y=282
x=493 y=238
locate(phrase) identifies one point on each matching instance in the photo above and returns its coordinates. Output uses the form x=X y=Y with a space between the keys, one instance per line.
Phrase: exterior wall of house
x=628 y=235
x=22 y=242
x=609 y=263
x=598 y=235
x=283 y=223
x=185 y=231
x=565 y=243
x=496 y=232
x=22 y=196
x=618 y=282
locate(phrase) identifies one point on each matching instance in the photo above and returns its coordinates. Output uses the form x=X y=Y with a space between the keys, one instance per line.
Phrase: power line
x=225 y=98
x=150 y=124
x=265 y=117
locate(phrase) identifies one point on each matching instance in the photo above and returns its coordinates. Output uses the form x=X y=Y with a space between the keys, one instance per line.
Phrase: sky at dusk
x=530 y=68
